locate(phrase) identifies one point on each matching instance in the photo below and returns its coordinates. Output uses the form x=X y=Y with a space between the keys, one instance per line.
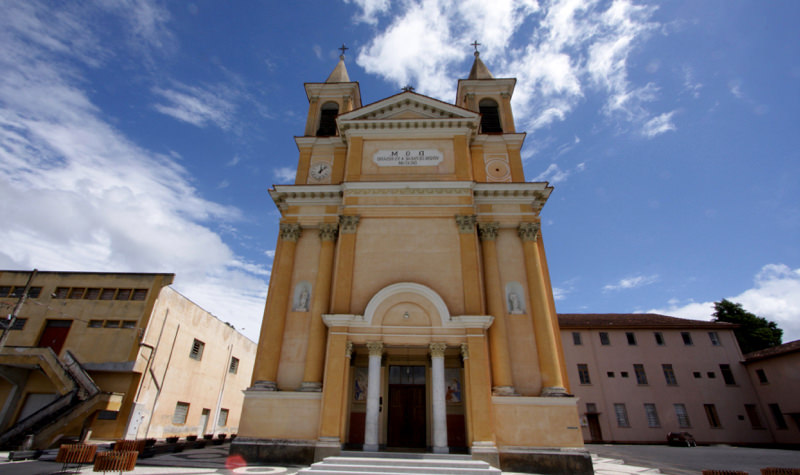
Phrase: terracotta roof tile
x=633 y=320
x=783 y=349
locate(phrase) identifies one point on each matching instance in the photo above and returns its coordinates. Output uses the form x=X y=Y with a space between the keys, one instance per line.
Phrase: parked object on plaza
x=681 y=439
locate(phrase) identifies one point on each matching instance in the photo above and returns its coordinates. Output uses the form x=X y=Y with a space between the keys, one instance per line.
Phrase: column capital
x=375 y=348
x=464 y=351
x=290 y=231
x=528 y=231
x=505 y=95
x=348 y=223
x=437 y=349
x=328 y=232
x=348 y=349
x=314 y=98
x=466 y=223
x=488 y=231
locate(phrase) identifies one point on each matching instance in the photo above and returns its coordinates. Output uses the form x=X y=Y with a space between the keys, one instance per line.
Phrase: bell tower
x=321 y=151
x=497 y=146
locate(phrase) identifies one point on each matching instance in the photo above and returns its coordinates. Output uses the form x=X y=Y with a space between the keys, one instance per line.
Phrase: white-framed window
x=197 y=350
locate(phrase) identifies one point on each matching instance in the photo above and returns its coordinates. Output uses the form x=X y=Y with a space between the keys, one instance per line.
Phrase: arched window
x=490 y=116
x=327 y=119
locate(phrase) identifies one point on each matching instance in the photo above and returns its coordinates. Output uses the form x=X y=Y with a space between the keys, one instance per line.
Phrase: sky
x=143 y=136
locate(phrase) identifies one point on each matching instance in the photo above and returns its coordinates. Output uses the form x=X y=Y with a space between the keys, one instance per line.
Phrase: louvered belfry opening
x=327 y=119
x=490 y=117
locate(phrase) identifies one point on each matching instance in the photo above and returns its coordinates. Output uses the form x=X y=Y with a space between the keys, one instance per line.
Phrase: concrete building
x=639 y=376
x=410 y=304
x=112 y=355
x=775 y=373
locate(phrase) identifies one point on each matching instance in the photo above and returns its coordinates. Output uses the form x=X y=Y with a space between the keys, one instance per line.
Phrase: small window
x=327 y=119
x=139 y=294
x=727 y=374
x=234 y=367
x=107 y=294
x=777 y=416
x=652 y=415
x=222 y=421
x=669 y=375
x=490 y=116
x=107 y=415
x=623 y=374
x=92 y=294
x=712 y=416
x=762 y=376
x=697 y=374
x=576 y=338
x=123 y=294
x=181 y=411
x=129 y=324
x=197 y=350
x=641 y=376
x=622 y=415
x=61 y=293
x=631 y=338
x=711 y=375
x=682 y=415
x=659 y=338
x=604 y=339
x=34 y=292
x=95 y=324
x=5 y=290
x=714 y=337
x=19 y=323
x=591 y=408
x=687 y=338
x=610 y=374
x=77 y=293
x=583 y=374
x=17 y=292
x=752 y=414
x=112 y=323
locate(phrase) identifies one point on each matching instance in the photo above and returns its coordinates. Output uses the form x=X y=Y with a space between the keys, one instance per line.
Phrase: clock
x=320 y=170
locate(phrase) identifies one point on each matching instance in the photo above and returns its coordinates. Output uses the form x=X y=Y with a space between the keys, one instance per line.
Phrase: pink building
x=640 y=376
x=775 y=373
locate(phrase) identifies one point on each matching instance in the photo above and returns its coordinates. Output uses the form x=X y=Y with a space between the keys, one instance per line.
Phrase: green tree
x=754 y=332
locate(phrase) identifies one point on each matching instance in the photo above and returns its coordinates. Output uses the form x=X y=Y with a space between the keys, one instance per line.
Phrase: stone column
x=546 y=345
x=317 y=332
x=265 y=372
x=470 y=264
x=373 y=396
x=438 y=396
x=502 y=383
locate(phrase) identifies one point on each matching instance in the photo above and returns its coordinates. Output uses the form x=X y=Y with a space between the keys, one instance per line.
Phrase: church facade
x=410 y=305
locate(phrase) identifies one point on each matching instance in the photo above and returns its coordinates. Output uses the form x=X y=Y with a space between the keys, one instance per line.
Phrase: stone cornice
x=534 y=194
x=288 y=195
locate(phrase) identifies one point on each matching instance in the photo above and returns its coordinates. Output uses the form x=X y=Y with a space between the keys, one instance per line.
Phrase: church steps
x=401 y=464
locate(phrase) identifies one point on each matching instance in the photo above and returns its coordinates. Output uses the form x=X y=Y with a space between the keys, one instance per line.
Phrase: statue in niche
x=515 y=304
x=302 y=297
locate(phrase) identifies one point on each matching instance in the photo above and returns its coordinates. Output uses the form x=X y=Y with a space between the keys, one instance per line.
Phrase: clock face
x=320 y=170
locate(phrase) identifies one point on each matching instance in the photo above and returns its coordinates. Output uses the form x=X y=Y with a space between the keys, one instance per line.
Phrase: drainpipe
x=222 y=390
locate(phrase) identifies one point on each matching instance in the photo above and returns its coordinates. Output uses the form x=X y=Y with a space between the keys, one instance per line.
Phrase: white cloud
x=553 y=174
x=659 y=125
x=76 y=194
x=285 y=174
x=631 y=282
x=570 y=46
x=370 y=10
x=775 y=296
x=195 y=105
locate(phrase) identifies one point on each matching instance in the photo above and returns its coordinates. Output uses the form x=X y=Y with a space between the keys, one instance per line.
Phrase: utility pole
x=13 y=317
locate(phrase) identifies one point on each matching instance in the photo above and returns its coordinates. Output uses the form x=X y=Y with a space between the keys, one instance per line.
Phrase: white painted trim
x=535 y=401
x=394 y=185
x=261 y=394
x=411 y=287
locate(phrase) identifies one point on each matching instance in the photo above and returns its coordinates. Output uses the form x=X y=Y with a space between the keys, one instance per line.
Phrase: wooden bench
x=780 y=471
x=124 y=445
x=75 y=454
x=116 y=461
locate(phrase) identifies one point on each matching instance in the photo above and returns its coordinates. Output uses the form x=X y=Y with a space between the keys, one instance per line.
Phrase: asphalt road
x=693 y=460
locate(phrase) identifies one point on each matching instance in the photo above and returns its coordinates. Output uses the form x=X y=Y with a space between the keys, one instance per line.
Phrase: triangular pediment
x=408 y=106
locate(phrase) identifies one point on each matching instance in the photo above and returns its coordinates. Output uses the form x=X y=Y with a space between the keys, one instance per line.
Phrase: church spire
x=339 y=73
x=479 y=70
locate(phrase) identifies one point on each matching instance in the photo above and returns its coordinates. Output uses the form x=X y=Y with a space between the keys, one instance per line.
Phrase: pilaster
x=345 y=259
x=470 y=265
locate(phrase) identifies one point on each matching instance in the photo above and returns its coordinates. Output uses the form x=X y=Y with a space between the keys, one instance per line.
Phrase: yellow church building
x=410 y=306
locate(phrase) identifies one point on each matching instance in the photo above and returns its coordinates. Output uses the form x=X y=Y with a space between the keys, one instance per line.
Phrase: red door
x=54 y=334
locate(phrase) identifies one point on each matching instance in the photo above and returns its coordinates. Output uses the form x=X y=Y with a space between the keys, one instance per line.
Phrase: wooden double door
x=407 y=409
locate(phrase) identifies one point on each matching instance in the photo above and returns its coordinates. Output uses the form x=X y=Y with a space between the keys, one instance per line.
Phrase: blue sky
x=142 y=136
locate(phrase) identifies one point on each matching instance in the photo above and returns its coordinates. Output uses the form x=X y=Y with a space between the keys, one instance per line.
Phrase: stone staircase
x=395 y=463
